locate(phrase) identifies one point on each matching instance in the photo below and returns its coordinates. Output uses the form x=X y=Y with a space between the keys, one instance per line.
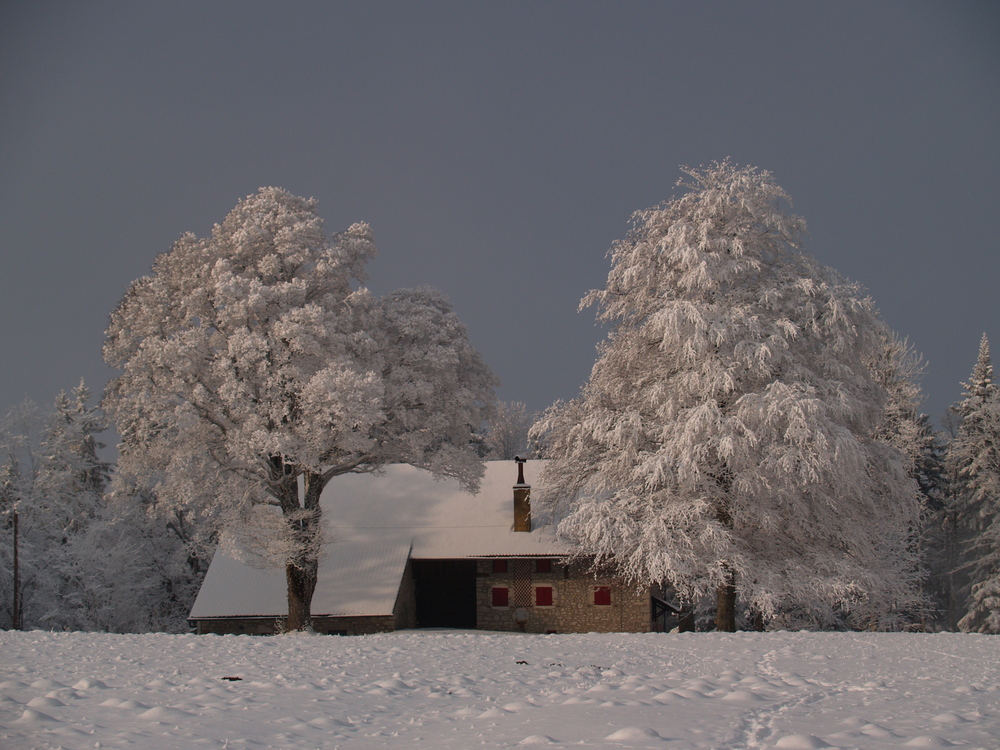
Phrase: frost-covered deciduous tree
x=733 y=436
x=127 y=572
x=255 y=368
x=974 y=457
x=507 y=432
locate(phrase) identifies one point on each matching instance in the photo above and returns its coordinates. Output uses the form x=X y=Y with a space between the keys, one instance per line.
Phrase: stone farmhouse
x=404 y=550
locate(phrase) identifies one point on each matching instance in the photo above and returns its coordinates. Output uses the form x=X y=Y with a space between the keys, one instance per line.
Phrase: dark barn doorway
x=446 y=593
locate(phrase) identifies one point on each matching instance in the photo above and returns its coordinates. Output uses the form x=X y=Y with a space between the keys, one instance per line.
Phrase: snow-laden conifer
x=974 y=457
x=255 y=368
x=732 y=435
x=53 y=479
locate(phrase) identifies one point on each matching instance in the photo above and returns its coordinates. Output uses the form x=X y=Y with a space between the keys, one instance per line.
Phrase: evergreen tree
x=940 y=540
x=898 y=369
x=54 y=480
x=72 y=476
x=86 y=560
x=974 y=456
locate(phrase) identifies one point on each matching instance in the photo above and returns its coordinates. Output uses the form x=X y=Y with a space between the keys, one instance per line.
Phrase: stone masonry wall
x=239 y=626
x=274 y=625
x=354 y=625
x=573 y=608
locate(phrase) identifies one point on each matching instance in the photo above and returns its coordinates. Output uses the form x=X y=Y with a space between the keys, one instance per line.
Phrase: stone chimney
x=522 y=499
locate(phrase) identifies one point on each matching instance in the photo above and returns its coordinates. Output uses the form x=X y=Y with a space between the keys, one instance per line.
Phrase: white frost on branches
x=974 y=456
x=255 y=367
x=506 y=435
x=728 y=431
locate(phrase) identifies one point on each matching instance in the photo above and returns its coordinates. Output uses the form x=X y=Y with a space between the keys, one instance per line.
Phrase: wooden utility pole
x=16 y=613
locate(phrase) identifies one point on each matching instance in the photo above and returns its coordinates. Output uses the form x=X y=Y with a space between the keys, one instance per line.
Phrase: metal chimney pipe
x=522 y=499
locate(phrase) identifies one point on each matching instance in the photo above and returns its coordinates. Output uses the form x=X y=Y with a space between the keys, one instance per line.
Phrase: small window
x=543 y=566
x=543 y=596
x=602 y=596
x=499 y=566
x=500 y=596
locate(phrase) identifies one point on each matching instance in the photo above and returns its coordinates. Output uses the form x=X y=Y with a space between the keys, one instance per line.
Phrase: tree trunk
x=301 y=569
x=725 y=611
x=725 y=607
x=685 y=621
x=301 y=585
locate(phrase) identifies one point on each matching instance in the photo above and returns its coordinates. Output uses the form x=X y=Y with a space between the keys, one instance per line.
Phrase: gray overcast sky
x=497 y=149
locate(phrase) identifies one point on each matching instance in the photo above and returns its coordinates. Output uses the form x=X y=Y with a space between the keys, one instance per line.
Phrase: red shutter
x=499 y=566
x=602 y=596
x=500 y=597
x=543 y=596
x=543 y=566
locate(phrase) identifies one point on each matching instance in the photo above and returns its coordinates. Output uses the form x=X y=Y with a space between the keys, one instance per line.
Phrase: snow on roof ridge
x=405 y=500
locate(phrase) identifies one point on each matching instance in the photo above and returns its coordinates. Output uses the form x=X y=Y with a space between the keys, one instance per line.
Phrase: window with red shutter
x=499 y=566
x=500 y=596
x=543 y=566
x=602 y=596
x=543 y=596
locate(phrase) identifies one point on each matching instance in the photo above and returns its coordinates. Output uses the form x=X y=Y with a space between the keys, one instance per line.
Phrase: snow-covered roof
x=373 y=523
x=355 y=579
x=442 y=520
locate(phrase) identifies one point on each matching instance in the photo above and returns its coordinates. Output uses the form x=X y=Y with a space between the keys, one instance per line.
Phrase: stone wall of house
x=238 y=626
x=354 y=625
x=579 y=600
x=275 y=625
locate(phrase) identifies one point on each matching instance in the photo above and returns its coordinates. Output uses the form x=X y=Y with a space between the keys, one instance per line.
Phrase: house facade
x=551 y=595
x=404 y=550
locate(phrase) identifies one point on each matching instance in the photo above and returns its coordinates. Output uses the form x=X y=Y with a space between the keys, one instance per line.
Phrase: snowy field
x=458 y=689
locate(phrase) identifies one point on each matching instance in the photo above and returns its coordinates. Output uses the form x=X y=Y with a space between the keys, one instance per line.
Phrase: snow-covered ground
x=457 y=689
